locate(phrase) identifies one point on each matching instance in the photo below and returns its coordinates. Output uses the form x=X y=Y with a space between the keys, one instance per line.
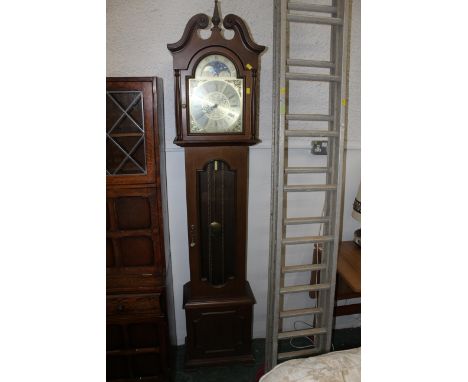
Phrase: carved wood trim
x=199 y=21
x=237 y=24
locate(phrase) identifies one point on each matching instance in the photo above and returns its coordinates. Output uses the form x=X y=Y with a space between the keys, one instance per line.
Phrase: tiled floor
x=342 y=339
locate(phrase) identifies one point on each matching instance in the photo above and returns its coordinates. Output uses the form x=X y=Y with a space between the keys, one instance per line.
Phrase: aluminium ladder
x=322 y=260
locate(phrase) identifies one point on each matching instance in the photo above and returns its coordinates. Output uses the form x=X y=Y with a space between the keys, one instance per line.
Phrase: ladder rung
x=301 y=333
x=312 y=77
x=310 y=187
x=296 y=6
x=311 y=133
x=303 y=268
x=306 y=220
x=298 y=353
x=304 y=288
x=314 y=20
x=307 y=239
x=300 y=312
x=306 y=170
x=309 y=63
x=309 y=117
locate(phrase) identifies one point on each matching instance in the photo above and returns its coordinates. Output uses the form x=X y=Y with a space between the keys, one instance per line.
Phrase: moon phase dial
x=215 y=65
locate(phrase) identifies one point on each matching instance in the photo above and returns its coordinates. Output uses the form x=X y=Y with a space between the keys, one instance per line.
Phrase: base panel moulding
x=219 y=330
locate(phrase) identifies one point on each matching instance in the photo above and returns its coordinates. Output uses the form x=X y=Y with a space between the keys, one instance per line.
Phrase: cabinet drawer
x=133 y=283
x=134 y=304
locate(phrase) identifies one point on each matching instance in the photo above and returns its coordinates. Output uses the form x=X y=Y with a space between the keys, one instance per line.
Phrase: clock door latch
x=192 y=236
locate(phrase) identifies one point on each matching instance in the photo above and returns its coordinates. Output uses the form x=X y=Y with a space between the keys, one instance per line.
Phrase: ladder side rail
x=331 y=126
x=272 y=282
x=276 y=216
x=282 y=160
x=327 y=248
x=330 y=198
x=341 y=49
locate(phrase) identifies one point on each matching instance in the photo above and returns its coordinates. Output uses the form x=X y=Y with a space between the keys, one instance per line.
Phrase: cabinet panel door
x=219 y=331
x=136 y=347
x=131 y=132
x=134 y=238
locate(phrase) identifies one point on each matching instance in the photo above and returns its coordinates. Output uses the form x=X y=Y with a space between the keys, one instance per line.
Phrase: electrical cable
x=319 y=256
x=308 y=338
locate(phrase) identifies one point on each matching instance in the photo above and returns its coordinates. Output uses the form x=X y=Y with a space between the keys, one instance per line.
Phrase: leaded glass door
x=130 y=156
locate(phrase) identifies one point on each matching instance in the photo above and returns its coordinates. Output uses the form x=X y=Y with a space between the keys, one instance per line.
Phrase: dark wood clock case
x=218 y=301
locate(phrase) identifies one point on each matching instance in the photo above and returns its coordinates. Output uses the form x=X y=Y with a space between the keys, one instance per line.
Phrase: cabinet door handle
x=120 y=308
x=192 y=236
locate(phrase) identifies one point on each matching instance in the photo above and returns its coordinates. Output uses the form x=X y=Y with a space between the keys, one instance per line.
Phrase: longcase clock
x=216 y=99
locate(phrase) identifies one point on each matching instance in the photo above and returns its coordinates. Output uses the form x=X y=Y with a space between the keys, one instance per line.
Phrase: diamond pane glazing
x=125 y=144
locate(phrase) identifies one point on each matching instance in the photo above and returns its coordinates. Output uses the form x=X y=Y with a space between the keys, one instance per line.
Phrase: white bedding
x=340 y=366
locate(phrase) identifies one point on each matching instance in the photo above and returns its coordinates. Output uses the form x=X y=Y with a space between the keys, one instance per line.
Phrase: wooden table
x=348 y=278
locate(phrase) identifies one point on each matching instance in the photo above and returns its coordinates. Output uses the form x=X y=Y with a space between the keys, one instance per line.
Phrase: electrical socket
x=319 y=147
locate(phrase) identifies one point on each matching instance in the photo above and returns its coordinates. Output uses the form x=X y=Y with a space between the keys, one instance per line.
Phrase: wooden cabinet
x=137 y=332
x=348 y=278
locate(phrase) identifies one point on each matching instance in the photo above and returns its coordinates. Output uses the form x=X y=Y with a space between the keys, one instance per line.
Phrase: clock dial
x=215 y=65
x=215 y=106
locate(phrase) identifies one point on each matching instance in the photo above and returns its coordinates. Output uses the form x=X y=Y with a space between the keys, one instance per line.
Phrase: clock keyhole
x=192 y=236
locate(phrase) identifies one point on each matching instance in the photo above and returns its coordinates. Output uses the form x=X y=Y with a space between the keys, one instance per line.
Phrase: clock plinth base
x=219 y=330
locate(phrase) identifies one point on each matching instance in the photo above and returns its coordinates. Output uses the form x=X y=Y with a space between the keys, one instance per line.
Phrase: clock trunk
x=217 y=218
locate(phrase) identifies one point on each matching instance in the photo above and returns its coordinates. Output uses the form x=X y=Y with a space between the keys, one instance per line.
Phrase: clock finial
x=216 y=19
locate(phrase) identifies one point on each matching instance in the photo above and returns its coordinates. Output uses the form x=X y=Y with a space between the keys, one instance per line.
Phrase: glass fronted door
x=217 y=213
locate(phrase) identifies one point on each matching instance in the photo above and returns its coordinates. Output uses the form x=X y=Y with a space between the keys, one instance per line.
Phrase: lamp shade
x=356 y=214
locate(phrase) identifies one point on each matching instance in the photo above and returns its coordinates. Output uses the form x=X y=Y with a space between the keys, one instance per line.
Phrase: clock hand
x=212 y=107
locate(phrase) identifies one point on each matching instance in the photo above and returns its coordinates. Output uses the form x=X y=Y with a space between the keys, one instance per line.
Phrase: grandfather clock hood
x=241 y=50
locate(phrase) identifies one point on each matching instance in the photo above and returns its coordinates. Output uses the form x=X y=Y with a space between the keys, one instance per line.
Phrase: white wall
x=137 y=34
